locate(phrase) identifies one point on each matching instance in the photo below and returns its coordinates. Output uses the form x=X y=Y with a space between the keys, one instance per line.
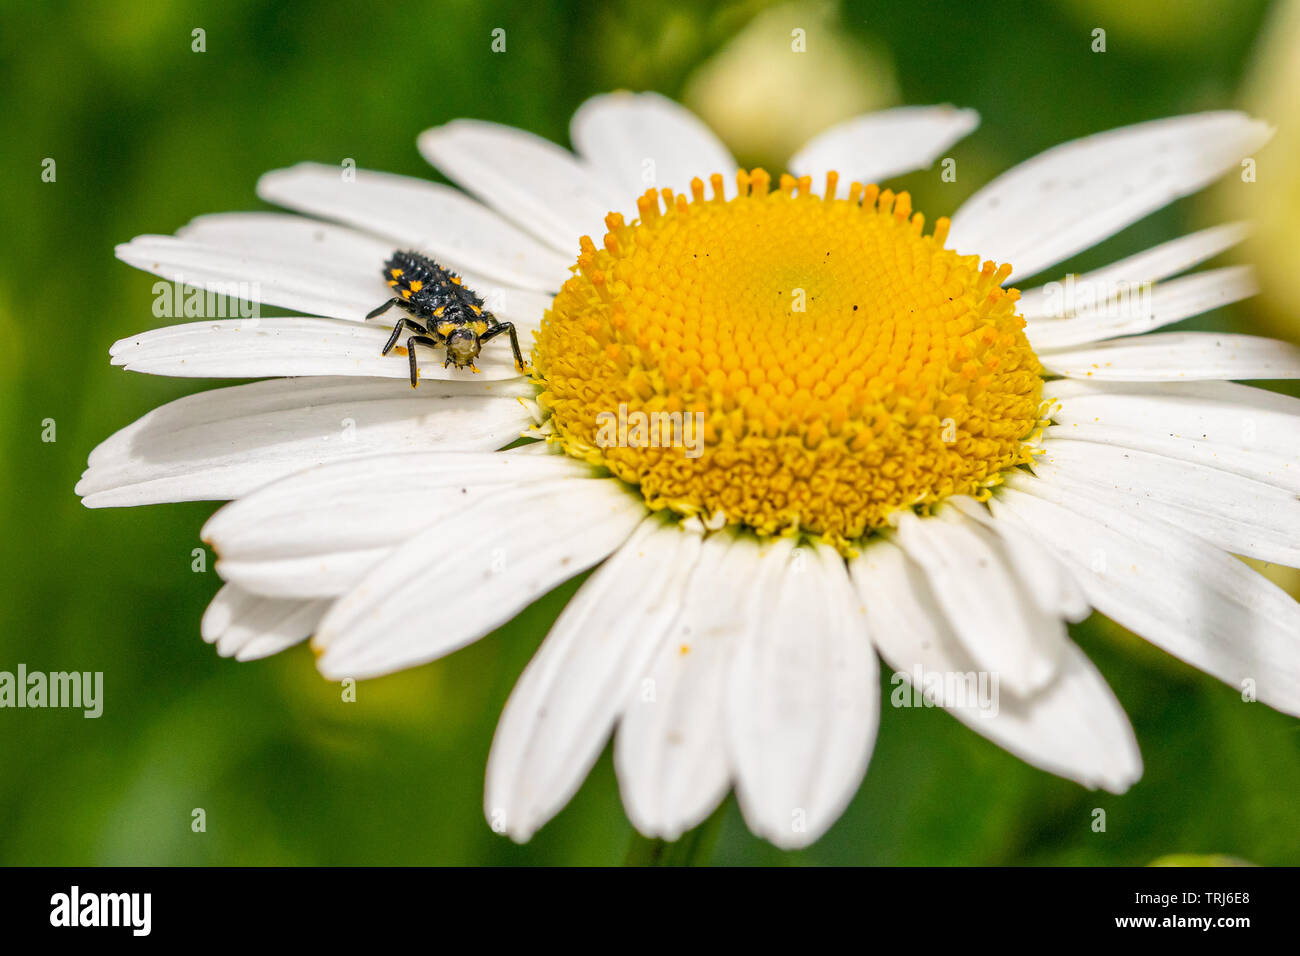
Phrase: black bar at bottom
x=369 y=905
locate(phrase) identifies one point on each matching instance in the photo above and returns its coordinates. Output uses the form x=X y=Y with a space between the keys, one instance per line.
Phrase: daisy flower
x=791 y=428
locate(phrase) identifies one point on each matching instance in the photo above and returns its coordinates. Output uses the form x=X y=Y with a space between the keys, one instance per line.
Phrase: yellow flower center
x=788 y=362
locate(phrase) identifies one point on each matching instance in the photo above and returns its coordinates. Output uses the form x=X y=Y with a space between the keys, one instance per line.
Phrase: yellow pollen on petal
x=840 y=363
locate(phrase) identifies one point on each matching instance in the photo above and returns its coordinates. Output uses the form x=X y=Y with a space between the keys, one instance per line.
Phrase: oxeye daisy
x=792 y=426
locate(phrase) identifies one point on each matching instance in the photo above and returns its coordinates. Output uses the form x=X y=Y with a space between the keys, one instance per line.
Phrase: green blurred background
x=147 y=134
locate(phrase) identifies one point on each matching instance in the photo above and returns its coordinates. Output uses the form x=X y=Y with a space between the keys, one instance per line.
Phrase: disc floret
x=839 y=362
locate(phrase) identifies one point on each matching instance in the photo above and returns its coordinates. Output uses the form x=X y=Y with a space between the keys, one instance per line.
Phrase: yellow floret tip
x=842 y=363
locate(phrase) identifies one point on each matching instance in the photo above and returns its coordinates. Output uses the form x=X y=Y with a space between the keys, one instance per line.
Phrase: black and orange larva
x=443 y=313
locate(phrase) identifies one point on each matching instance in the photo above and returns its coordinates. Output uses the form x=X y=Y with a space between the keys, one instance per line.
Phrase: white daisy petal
x=299 y=264
x=288 y=633
x=1178 y=356
x=327 y=575
x=976 y=584
x=1236 y=428
x=249 y=627
x=225 y=442
x=1226 y=413
x=1074 y=195
x=670 y=751
x=881 y=145
x=1263 y=466
x=285 y=244
x=802 y=703
x=434 y=218
x=316 y=533
x=562 y=710
x=290 y=346
x=1074 y=727
x=1172 y=587
x=643 y=141
x=1151 y=265
x=336 y=505
x=318 y=288
x=537 y=184
x=471 y=572
x=1238 y=514
x=294 y=239
x=1137 y=310
x=1048 y=581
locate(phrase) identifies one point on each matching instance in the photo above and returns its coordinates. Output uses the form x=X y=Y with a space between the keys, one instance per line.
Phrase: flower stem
x=692 y=848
